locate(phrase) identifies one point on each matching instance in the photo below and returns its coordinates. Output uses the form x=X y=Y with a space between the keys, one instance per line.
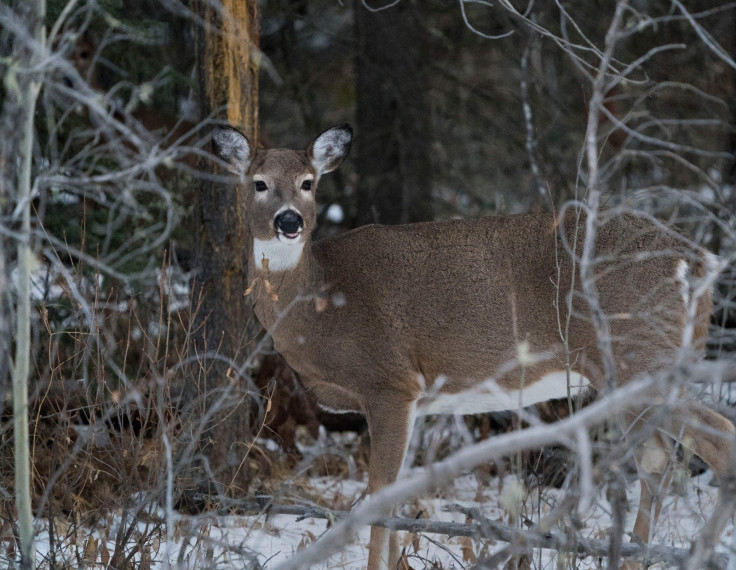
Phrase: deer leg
x=651 y=463
x=709 y=435
x=390 y=423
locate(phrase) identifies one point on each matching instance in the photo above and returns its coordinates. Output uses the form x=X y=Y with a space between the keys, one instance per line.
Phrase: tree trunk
x=223 y=321
x=393 y=116
x=22 y=89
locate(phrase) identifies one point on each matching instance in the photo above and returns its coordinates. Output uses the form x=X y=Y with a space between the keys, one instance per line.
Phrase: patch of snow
x=714 y=174
x=335 y=214
x=269 y=444
x=707 y=194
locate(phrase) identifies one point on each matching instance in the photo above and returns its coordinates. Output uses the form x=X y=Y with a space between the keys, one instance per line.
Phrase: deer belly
x=490 y=397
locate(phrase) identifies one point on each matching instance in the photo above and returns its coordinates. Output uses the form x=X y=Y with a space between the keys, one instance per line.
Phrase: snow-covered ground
x=237 y=541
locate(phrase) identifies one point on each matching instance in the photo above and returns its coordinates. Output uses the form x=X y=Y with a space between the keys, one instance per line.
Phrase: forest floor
x=229 y=541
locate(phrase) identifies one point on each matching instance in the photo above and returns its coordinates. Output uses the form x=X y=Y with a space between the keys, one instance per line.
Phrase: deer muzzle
x=289 y=224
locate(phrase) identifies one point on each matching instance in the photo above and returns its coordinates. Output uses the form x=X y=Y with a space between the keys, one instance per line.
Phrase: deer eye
x=260 y=186
x=307 y=185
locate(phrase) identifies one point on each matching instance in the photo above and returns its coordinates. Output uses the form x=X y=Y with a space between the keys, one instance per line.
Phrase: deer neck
x=276 y=285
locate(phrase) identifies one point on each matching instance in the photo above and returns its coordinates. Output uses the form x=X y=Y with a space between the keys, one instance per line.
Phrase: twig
x=598 y=317
x=528 y=122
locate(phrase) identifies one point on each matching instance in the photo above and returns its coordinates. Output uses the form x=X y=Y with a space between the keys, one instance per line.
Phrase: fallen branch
x=648 y=555
x=262 y=505
x=482 y=528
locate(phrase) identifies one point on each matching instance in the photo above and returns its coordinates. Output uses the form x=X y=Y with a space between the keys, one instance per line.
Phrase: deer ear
x=330 y=148
x=231 y=146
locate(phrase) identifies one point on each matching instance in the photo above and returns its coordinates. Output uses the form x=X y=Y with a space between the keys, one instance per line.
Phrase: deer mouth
x=292 y=235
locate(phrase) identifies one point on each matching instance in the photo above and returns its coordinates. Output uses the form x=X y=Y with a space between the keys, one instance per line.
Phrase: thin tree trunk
x=393 y=159
x=19 y=108
x=224 y=323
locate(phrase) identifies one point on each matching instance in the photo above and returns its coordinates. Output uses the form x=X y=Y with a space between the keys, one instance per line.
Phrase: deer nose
x=288 y=223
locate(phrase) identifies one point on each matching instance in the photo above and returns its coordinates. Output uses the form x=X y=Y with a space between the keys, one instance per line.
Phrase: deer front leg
x=652 y=459
x=390 y=423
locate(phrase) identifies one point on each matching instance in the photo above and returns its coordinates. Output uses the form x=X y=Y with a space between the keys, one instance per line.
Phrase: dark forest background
x=459 y=110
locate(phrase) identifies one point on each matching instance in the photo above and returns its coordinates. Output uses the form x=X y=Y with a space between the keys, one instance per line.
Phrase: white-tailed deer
x=408 y=320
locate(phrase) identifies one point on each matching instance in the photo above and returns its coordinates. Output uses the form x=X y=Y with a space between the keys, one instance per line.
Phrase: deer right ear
x=231 y=146
x=330 y=148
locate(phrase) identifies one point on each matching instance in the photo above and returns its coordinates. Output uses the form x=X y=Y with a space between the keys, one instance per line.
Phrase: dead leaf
x=466 y=546
x=306 y=540
x=62 y=526
x=320 y=303
x=270 y=290
x=90 y=550
x=104 y=554
x=45 y=317
x=145 y=561
x=521 y=562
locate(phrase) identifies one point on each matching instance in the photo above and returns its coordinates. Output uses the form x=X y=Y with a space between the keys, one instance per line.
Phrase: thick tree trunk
x=394 y=140
x=223 y=322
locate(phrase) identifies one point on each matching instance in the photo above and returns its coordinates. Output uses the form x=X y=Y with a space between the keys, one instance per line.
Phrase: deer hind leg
x=709 y=435
x=390 y=423
x=706 y=433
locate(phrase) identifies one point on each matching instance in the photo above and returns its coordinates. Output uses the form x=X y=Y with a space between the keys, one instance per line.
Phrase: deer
x=396 y=322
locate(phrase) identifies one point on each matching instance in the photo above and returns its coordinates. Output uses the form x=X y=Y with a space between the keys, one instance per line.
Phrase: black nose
x=288 y=223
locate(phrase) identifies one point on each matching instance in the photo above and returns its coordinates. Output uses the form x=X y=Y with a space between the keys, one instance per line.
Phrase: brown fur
x=407 y=297
x=381 y=306
x=704 y=309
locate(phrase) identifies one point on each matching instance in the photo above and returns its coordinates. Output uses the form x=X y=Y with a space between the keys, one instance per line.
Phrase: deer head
x=280 y=189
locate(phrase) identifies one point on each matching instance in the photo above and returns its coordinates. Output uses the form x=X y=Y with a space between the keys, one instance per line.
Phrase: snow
x=236 y=541
x=335 y=213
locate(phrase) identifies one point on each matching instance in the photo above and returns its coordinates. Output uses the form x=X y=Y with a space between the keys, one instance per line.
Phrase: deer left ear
x=330 y=148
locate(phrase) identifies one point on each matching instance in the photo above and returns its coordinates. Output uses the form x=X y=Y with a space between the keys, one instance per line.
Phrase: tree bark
x=394 y=140
x=223 y=322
